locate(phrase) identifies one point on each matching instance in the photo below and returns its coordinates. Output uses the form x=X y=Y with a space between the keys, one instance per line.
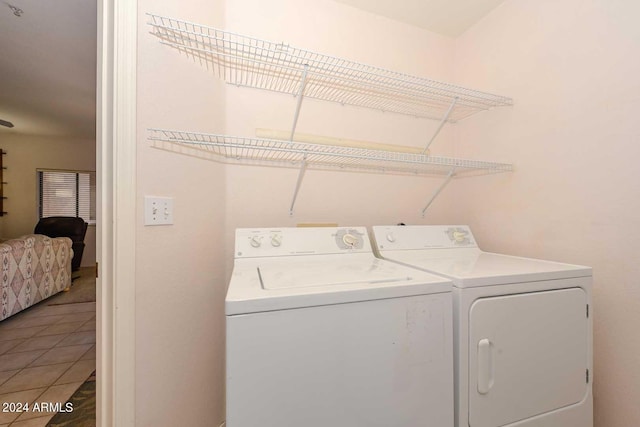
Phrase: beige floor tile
x=36 y=377
x=53 y=310
x=77 y=338
x=90 y=354
x=76 y=317
x=33 y=422
x=18 y=397
x=5 y=375
x=81 y=307
x=20 y=360
x=17 y=333
x=88 y=326
x=60 y=328
x=40 y=309
x=43 y=337
x=58 y=394
x=44 y=309
x=61 y=355
x=10 y=322
x=38 y=343
x=8 y=345
x=26 y=321
x=80 y=371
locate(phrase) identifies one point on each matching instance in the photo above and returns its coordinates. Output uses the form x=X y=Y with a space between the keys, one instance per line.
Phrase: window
x=67 y=193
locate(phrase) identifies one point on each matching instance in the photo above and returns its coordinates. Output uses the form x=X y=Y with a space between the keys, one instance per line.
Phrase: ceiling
x=48 y=67
x=447 y=17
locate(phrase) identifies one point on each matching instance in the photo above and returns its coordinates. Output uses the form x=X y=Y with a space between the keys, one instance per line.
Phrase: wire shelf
x=234 y=149
x=252 y=62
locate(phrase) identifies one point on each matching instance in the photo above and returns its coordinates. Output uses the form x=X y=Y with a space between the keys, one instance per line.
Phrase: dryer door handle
x=485 y=366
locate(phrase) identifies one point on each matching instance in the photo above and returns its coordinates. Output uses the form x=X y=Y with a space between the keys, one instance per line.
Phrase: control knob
x=459 y=236
x=255 y=241
x=276 y=240
x=350 y=240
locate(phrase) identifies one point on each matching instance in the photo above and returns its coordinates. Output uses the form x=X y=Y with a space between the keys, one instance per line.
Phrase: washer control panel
x=423 y=237
x=268 y=242
x=349 y=238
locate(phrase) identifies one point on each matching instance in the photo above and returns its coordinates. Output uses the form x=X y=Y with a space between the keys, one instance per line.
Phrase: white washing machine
x=522 y=329
x=322 y=333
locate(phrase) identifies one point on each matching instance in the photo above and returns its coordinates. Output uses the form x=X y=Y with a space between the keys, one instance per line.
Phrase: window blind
x=64 y=193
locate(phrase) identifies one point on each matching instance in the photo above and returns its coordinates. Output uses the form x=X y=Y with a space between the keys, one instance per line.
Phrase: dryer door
x=527 y=355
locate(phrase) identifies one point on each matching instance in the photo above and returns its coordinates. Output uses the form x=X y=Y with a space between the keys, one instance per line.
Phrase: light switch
x=158 y=210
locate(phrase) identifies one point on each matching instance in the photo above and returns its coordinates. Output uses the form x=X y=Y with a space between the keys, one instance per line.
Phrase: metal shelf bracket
x=442 y=122
x=439 y=189
x=303 y=169
x=299 y=95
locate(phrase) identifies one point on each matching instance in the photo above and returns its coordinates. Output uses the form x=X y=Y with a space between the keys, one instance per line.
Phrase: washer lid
x=471 y=267
x=341 y=272
x=267 y=284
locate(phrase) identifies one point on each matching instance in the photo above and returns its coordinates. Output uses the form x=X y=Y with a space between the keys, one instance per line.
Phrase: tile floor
x=46 y=353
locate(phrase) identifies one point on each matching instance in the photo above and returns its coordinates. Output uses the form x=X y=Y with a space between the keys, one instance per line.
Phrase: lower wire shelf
x=233 y=149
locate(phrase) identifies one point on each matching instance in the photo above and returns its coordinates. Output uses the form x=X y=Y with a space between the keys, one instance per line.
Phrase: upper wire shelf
x=248 y=61
x=318 y=156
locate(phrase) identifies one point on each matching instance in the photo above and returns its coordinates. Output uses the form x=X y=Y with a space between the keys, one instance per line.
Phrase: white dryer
x=321 y=333
x=522 y=329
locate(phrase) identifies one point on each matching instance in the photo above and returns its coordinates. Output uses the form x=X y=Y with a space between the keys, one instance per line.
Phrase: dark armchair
x=65 y=226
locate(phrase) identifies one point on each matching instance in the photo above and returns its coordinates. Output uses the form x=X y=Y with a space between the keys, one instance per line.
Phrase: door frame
x=116 y=211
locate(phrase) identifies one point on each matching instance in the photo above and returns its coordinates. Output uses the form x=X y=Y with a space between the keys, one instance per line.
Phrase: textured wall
x=180 y=285
x=572 y=68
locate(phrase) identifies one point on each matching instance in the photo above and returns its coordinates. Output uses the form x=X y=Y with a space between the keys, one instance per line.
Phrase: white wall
x=572 y=68
x=180 y=286
x=26 y=154
x=180 y=277
x=260 y=197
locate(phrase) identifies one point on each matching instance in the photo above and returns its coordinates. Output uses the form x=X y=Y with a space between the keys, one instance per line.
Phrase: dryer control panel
x=397 y=237
x=269 y=242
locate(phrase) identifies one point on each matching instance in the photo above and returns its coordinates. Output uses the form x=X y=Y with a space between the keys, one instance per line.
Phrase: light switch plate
x=158 y=210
